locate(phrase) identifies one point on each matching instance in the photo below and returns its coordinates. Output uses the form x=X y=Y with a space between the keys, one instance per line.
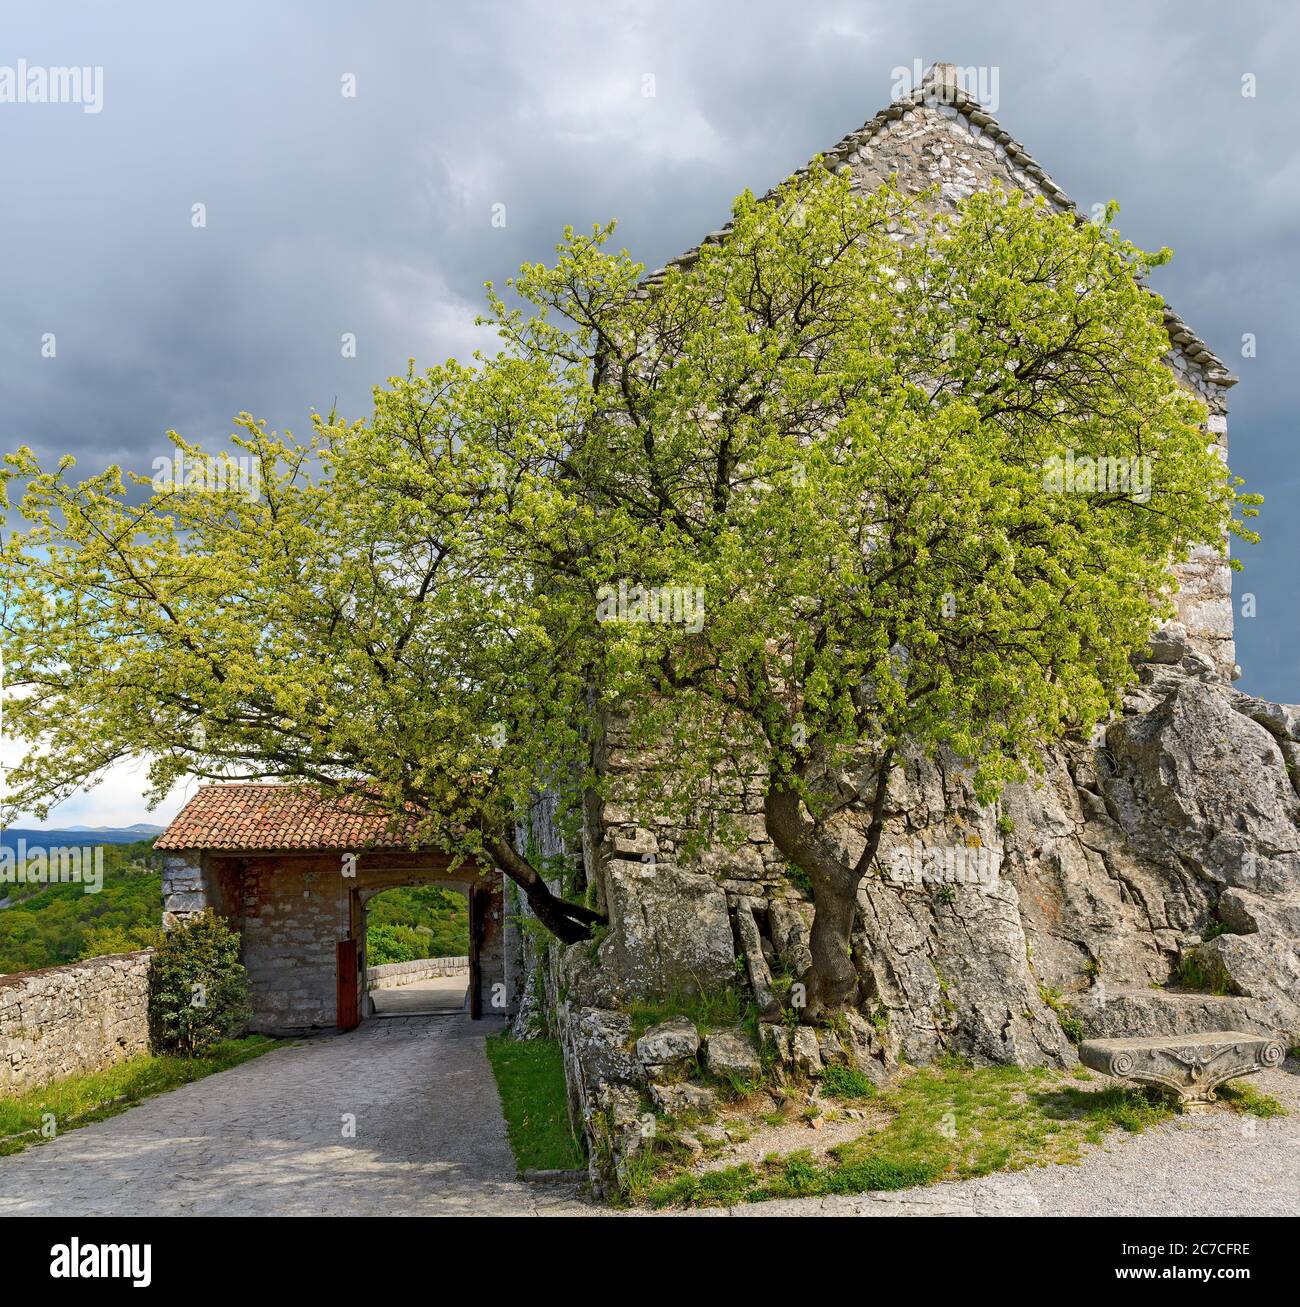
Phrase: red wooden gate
x=347 y=1001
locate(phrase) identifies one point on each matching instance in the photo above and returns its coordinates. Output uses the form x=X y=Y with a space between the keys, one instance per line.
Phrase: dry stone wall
x=67 y=1020
x=392 y=974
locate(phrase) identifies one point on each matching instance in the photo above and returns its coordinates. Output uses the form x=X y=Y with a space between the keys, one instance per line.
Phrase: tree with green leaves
x=930 y=471
x=838 y=423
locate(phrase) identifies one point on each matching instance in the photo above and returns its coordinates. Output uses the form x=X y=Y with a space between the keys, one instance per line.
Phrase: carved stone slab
x=1188 y=1067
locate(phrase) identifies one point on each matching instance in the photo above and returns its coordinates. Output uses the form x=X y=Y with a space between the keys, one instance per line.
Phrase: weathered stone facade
x=67 y=1020
x=291 y=910
x=1146 y=882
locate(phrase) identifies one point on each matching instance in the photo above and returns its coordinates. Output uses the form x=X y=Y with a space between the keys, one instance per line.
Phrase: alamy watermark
x=24 y=83
x=60 y=864
x=213 y=474
x=953 y=864
x=978 y=81
x=1082 y=474
x=629 y=601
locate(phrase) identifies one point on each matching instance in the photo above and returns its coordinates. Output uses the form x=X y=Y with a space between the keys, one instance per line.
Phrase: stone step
x=1112 y=1012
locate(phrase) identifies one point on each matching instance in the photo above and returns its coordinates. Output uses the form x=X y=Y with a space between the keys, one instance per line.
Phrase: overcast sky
x=373 y=214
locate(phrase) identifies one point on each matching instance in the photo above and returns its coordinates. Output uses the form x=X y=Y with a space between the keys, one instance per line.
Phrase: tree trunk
x=568 y=922
x=832 y=982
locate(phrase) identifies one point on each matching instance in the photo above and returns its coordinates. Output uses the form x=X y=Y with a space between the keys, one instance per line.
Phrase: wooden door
x=348 y=990
x=477 y=907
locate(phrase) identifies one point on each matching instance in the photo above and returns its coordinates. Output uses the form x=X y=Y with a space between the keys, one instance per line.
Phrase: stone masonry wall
x=294 y=910
x=67 y=1020
x=392 y=974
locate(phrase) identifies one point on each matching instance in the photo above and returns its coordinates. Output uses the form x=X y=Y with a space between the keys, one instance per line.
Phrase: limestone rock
x=732 y=1053
x=675 y=1040
x=669 y=930
x=806 y=1051
x=598 y=1038
x=674 y=1099
x=760 y=977
x=1254 y=966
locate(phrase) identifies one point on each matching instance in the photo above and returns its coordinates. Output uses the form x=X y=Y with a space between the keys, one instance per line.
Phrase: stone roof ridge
x=940 y=86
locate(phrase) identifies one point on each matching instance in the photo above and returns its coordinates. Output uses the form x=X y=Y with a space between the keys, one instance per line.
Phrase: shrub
x=198 y=988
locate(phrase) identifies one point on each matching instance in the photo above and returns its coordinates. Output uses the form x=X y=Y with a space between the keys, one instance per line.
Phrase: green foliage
x=426 y=921
x=198 y=988
x=440 y=916
x=530 y=1079
x=1242 y=1097
x=51 y=925
x=1072 y=1028
x=410 y=610
x=841 y=1081
x=79 y=1100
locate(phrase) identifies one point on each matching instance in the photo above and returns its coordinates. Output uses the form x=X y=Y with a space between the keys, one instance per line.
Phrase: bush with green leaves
x=198 y=988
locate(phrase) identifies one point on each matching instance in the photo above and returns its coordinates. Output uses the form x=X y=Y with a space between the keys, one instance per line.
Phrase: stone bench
x=1188 y=1067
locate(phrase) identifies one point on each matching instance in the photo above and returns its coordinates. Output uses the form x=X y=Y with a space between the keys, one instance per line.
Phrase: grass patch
x=1201 y=977
x=530 y=1080
x=79 y=1100
x=948 y=1121
x=708 y=1011
x=1249 y=1101
x=841 y=1081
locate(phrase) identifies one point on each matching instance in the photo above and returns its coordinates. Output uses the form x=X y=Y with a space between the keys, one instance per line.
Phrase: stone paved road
x=266 y=1137
x=437 y=994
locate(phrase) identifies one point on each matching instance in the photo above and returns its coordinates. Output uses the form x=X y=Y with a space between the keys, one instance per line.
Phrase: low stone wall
x=392 y=974
x=66 y=1020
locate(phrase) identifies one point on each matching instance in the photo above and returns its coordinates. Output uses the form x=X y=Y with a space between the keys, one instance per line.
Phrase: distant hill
x=141 y=828
x=47 y=925
x=79 y=836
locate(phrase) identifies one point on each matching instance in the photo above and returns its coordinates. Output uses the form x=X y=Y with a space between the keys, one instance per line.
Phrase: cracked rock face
x=1145 y=885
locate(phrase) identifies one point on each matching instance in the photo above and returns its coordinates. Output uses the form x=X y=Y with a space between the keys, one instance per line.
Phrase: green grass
x=846 y=1082
x=948 y=1121
x=1249 y=1101
x=715 y=1011
x=81 y=1099
x=530 y=1079
x=1201 y=977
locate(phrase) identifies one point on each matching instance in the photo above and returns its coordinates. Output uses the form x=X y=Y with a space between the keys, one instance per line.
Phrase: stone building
x=294 y=874
x=1163 y=852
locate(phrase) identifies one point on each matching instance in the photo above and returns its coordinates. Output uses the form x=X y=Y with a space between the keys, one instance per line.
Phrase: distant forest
x=48 y=926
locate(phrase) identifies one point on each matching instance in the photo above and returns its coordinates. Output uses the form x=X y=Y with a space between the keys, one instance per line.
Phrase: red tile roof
x=263 y=817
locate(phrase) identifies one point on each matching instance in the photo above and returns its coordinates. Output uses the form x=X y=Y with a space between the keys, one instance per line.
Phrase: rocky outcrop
x=1146 y=883
x=669 y=932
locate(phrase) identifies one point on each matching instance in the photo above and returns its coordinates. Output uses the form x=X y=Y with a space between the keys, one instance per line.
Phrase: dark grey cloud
x=373 y=215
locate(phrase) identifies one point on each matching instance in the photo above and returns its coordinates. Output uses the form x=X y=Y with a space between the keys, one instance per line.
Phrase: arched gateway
x=293 y=873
